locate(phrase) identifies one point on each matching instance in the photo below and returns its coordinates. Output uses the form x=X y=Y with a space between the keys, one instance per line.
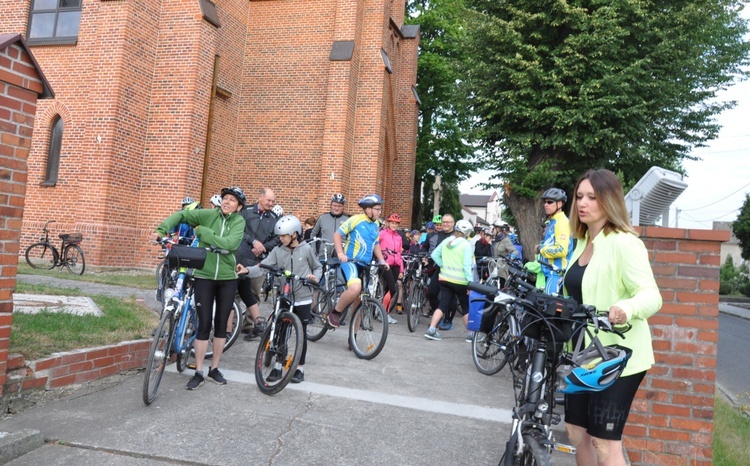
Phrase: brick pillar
x=21 y=83
x=671 y=421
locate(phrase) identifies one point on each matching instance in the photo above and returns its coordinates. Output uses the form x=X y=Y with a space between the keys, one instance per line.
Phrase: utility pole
x=437 y=189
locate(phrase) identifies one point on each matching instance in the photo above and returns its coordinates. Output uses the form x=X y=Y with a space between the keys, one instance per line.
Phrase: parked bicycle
x=550 y=321
x=175 y=335
x=415 y=283
x=280 y=347
x=325 y=298
x=44 y=255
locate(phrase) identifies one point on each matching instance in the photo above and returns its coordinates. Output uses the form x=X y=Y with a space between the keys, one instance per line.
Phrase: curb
x=14 y=445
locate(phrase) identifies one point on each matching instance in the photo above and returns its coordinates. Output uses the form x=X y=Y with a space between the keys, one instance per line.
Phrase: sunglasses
x=549 y=201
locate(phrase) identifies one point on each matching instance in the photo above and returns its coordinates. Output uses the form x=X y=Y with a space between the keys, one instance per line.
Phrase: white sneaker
x=391 y=320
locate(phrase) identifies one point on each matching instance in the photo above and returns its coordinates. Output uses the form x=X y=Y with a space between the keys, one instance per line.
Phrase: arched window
x=53 y=155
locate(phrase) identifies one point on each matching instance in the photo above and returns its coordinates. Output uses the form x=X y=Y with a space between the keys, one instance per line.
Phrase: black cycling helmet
x=371 y=200
x=236 y=192
x=338 y=197
x=556 y=194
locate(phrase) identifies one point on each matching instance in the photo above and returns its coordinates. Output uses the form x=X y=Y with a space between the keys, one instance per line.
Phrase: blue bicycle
x=178 y=325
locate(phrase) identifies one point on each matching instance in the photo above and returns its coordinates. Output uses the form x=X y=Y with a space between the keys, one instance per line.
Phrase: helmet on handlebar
x=187 y=200
x=236 y=192
x=287 y=225
x=592 y=369
x=216 y=200
x=278 y=210
x=556 y=194
x=338 y=198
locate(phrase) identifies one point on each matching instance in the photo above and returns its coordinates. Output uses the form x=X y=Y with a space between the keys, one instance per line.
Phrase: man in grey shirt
x=328 y=223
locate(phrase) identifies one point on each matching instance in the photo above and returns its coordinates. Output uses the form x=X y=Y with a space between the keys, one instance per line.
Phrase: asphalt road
x=733 y=371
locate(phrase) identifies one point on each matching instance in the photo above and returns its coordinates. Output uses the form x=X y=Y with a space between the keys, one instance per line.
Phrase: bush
x=725 y=287
x=743 y=288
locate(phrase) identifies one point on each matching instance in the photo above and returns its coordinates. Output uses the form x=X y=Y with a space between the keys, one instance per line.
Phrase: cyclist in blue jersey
x=557 y=244
x=184 y=232
x=362 y=234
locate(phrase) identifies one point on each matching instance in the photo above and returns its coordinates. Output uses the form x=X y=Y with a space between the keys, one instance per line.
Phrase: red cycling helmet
x=394 y=218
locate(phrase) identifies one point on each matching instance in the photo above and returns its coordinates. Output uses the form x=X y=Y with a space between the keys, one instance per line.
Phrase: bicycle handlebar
x=280 y=272
x=165 y=240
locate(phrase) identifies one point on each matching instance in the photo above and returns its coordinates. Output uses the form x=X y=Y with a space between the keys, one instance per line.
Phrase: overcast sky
x=718 y=183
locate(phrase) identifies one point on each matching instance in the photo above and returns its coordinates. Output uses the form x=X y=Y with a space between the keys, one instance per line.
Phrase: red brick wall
x=135 y=91
x=20 y=86
x=671 y=421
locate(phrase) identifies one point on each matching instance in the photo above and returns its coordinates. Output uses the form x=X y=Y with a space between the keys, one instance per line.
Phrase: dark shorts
x=448 y=290
x=604 y=414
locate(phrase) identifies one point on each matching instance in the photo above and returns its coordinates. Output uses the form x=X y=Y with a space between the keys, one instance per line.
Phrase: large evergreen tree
x=443 y=143
x=741 y=228
x=559 y=87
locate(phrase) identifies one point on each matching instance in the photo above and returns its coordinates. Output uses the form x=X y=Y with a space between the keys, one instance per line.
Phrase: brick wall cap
x=6 y=40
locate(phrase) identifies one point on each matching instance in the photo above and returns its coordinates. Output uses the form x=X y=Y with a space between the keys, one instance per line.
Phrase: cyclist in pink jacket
x=392 y=245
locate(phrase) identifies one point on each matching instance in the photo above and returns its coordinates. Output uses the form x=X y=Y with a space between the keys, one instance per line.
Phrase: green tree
x=443 y=146
x=559 y=87
x=741 y=228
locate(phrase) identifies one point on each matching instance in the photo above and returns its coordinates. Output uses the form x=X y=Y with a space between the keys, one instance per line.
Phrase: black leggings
x=304 y=312
x=206 y=293
x=390 y=276
x=433 y=294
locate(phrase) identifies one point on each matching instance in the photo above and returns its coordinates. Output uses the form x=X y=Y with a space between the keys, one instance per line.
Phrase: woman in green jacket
x=216 y=282
x=609 y=270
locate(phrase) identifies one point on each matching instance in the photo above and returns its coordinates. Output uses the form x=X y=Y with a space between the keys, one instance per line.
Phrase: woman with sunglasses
x=557 y=244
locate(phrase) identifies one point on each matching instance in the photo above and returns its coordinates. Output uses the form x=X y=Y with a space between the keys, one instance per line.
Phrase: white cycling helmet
x=464 y=226
x=287 y=225
x=216 y=200
x=278 y=210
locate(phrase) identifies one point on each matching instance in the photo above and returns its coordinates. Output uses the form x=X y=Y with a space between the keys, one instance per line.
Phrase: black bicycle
x=44 y=255
x=280 y=347
x=547 y=323
x=415 y=288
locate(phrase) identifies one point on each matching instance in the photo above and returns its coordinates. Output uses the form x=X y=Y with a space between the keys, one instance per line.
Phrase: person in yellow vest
x=455 y=257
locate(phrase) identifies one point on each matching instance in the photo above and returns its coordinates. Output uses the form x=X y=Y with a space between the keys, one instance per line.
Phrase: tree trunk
x=416 y=207
x=529 y=218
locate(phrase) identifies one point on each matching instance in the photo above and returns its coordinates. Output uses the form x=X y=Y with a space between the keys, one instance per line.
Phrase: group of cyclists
x=258 y=234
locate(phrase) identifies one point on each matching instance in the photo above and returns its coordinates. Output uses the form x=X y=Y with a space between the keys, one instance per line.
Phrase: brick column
x=671 y=421
x=21 y=83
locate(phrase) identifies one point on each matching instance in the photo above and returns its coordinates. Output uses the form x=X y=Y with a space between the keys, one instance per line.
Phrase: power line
x=715 y=202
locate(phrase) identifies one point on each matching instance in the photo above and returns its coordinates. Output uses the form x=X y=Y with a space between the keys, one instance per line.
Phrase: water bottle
x=179 y=282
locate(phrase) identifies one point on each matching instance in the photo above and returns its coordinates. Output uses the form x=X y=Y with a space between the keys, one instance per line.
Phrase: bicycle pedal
x=191 y=366
x=563 y=448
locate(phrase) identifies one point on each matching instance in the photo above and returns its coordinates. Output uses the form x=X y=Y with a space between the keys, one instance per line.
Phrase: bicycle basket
x=557 y=312
x=186 y=256
x=71 y=238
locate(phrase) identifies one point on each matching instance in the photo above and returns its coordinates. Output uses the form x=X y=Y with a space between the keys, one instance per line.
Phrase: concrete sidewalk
x=420 y=402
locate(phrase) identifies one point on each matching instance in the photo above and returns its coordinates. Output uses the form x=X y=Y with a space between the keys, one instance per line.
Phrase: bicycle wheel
x=185 y=340
x=74 y=260
x=158 y=357
x=235 y=319
x=318 y=325
x=42 y=256
x=533 y=454
x=165 y=279
x=369 y=329
x=277 y=358
x=490 y=351
x=416 y=304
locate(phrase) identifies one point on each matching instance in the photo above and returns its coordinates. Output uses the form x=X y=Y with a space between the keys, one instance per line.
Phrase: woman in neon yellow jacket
x=610 y=270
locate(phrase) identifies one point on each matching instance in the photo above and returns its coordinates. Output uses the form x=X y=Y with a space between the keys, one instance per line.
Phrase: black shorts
x=604 y=414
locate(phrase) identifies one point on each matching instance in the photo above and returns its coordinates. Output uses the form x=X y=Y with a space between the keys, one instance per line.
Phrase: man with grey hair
x=257 y=242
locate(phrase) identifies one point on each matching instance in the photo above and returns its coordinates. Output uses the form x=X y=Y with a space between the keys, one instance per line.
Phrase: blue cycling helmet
x=371 y=200
x=430 y=225
x=592 y=370
x=236 y=192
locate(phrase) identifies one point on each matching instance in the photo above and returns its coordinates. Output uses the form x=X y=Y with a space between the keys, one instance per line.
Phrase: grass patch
x=142 y=279
x=39 y=335
x=731 y=435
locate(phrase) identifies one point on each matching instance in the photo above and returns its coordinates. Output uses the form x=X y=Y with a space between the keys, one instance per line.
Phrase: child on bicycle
x=216 y=282
x=299 y=258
